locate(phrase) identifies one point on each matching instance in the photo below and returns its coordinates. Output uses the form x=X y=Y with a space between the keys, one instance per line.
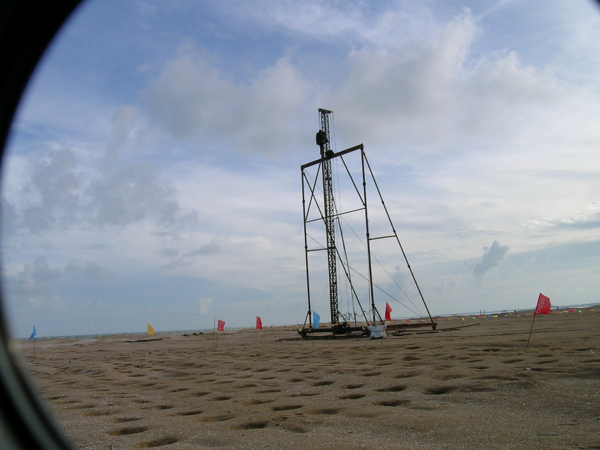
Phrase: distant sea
x=140 y=333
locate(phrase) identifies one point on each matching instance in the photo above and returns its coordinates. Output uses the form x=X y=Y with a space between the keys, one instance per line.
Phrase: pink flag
x=221 y=325
x=258 y=323
x=543 y=305
x=388 y=312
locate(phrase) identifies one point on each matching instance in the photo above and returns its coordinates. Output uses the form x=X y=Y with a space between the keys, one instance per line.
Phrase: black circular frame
x=26 y=29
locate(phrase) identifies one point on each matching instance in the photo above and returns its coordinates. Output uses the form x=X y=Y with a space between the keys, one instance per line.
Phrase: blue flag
x=33 y=334
x=317 y=319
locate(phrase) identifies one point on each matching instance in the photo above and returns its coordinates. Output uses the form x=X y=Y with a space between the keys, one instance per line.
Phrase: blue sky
x=153 y=172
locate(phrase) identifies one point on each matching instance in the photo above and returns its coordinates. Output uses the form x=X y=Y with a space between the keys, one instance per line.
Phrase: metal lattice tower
x=323 y=140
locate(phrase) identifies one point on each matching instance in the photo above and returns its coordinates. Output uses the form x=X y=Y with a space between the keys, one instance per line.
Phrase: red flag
x=258 y=323
x=543 y=305
x=221 y=325
x=388 y=312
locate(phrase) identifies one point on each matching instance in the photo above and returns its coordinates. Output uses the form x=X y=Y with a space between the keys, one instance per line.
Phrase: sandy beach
x=474 y=387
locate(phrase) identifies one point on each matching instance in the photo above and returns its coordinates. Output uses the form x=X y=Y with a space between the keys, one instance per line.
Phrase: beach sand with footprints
x=476 y=387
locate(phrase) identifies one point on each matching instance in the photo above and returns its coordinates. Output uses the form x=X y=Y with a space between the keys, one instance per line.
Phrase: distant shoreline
x=593 y=307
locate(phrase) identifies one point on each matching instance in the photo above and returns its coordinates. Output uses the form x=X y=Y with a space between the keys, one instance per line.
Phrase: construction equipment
x=326 y=212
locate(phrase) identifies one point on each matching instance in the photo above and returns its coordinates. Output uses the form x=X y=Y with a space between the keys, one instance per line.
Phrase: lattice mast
x=323 y=141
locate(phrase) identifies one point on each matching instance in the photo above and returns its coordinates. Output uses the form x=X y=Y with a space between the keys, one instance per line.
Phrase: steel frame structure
x=328 y=214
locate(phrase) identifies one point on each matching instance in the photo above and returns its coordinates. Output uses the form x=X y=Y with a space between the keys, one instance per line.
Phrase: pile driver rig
x=322 y=208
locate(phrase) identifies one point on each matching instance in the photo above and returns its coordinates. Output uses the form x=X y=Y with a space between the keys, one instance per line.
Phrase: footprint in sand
x=189 y=413
x=178 y=390
x=220 y=398
x=127 y=431
x=392 y=403
x=371 y=374
x=126 y=419
x=323 y=383
x=452 y=376
x=246 y=386
x=353 y=386
x=218 y=418
x=269 y=391
x=286 y=407
x=257 y=402
x=251 y=425
x=86 y=406
x=396 y=388
x=199 y=394
x=163 y=407
x=294 y=428
x=160 y=442
x=352 y=396
x=100 y=413
x=407 y=375
x=325 y=411
x=438 y=390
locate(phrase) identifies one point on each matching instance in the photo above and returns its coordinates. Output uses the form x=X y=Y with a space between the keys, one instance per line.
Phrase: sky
x=153 y=170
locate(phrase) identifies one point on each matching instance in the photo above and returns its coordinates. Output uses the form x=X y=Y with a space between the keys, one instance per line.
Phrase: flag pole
x=531 y=331
x=543 y=307
x=215 y=330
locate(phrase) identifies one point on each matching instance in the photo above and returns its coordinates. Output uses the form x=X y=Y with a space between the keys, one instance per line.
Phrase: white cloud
x=177 y=259
x=51 y=192
x=333 y=22
x=205 y=305
x=124 y=122
x=410 y=87
x=56 y=193
x=490 y=259
x=37 y=277
x=192 y=98
x=131 y=194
